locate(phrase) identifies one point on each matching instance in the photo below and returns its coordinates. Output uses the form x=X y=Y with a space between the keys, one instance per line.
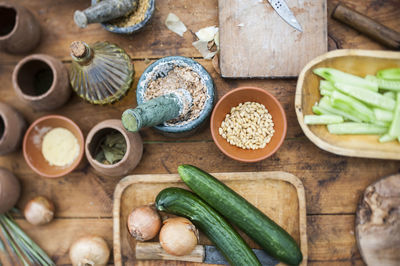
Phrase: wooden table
x=84 y=199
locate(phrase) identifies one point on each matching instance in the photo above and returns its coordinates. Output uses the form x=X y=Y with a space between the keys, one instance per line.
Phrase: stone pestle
x=103 y=11
x=158 y=110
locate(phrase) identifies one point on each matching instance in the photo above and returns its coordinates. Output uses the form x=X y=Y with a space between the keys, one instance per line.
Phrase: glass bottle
x=101 y=73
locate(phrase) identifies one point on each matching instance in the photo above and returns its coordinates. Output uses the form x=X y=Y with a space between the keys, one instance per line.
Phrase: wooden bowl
x=32 y=145
x=357 y=62
x=234 y=98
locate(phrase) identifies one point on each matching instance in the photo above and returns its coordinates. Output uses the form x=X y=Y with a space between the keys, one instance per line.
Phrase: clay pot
x=12 y=128
x=41 y=81
x=134 y=148
x=19 y=29
x=9 y=190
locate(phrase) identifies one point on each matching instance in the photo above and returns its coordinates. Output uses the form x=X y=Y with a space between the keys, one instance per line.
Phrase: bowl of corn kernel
x=248 y=124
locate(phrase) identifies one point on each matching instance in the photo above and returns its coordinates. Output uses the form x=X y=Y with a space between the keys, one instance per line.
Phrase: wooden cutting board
x=280 y=195
x=256 y=42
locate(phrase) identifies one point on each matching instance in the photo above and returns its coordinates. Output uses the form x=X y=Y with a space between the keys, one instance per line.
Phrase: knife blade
x=205 y=254
x=285 y=13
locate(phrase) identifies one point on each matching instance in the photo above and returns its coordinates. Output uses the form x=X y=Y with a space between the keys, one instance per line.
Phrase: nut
x=248 y=126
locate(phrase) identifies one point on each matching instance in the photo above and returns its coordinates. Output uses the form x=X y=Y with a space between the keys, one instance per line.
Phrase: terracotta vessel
x=134 y=148
x=41 y=81
x=9 y=190
x=19 y=29
x=12 y=129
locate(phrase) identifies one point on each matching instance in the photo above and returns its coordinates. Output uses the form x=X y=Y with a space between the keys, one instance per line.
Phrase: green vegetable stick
x=390 y=94
x=352 y=128
x=320 y=111
x=390 y=74
x=326 y=85
x=385 y=84
x=324 y=92
x=352 y=106
x=383 y=115
x=395 y=126
x=322 y=119
x=337 y=76
x=325 y=104
x=386 y=138
x=366 y=96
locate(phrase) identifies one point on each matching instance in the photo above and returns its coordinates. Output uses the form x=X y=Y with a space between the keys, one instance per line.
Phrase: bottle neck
x=85 y=57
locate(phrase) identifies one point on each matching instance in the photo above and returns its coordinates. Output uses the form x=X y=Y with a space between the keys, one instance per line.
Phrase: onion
x=178 y=236
x=39 y=211
x=144 y=223
x=89 y=250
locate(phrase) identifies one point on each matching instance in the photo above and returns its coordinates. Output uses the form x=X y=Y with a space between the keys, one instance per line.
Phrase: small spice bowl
x=160 y=68
x=233 y=99
x=32 y=145
x=133 y=153
x=130 y=29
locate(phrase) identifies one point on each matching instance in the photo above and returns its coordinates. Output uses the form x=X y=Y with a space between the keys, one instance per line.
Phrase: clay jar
x=9 y=190
x=41 y=81
x=12 y=128
x=134 y=148
x=19 y=29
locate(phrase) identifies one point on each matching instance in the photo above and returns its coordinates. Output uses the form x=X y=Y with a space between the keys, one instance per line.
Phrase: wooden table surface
x=84 y=199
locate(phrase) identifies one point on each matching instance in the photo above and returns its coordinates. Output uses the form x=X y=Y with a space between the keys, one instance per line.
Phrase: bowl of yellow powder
x=53 y=146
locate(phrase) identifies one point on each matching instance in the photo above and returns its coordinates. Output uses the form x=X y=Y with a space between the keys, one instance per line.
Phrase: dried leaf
x=112 y=150
x=207 y=34
x=216 y=39
x=202 y=47
x=174 y=24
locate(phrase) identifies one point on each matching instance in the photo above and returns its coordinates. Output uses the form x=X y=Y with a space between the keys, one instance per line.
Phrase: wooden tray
x=358 y=62
x=278 y=194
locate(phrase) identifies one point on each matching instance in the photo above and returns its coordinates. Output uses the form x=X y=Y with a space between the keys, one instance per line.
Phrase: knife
x=204 y=254
x=284 y=12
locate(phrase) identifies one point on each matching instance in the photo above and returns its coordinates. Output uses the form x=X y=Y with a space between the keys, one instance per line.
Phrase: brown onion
x=178 y=236
x=144 y=223
x=89 y=250
x=39 y=211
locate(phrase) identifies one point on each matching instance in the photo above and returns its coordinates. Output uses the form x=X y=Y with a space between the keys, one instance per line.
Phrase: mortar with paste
x=175 y=96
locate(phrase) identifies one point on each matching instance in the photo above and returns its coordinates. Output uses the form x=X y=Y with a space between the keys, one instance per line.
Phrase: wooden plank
x=331 y=238
x=264 y=45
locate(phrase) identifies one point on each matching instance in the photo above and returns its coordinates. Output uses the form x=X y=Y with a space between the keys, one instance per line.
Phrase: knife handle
x=154 y=251
x=367 y=26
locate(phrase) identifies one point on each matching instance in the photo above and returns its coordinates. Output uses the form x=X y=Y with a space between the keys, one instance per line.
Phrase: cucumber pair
x=213 y=194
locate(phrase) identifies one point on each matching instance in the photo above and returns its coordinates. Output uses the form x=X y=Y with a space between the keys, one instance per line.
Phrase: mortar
x=164 y=105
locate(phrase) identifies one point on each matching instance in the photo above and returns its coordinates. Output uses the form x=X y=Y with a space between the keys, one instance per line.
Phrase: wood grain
x=256 y=42
x=356 y=62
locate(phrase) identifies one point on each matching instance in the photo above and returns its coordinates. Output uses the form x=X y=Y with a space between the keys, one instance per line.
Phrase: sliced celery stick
x=393 y=85
x=319 y=111
x=334 y=75
x=383 y=115
x=325 y=92
x=322 y=119
x=390 y=94
x=369 y=97
x=353 y=106
x=326 y=85
x=390 y=73
x=325 y=104
x=395 y=126
x=381 y=123
x=386 y=138
x=356 y=128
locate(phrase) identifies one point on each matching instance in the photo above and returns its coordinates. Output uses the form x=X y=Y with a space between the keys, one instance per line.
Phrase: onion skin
x=178 y=236
x=39 y=211
x=144 y=223
x=10 y=190
x=89 y=250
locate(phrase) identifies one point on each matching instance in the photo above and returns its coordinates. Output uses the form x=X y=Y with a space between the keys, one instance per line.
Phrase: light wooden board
x=356 y=62
x=256 y=42
x=279 y=195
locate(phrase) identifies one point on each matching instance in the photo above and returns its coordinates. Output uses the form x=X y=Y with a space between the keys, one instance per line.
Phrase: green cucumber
x=395 y=126
x=325 y=104
x=322 y=119
x=352 y=128
x=393 y=85
x=390 y=74
x=270 y=236
x=386 y=138
x=184 y=203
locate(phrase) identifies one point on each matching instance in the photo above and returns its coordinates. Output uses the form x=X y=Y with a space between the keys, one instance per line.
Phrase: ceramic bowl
x=159 y=69
x=32 y=145
x=131 y=29
x=234 y=98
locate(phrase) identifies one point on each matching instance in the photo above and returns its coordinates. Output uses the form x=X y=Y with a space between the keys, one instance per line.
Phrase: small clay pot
x=41 y=81
x=12 y=129
x=19 y=29
x=9 y=190
x=134 y=148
